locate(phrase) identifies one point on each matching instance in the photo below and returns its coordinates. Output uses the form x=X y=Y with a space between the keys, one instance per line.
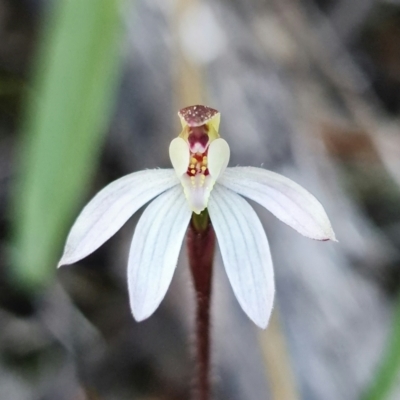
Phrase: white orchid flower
x=200 y=179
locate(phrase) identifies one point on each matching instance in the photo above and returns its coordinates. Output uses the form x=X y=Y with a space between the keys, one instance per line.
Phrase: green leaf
x=388 y=370
x=74 y=89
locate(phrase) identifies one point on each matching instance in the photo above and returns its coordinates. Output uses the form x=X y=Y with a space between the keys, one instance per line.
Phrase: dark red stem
x=201 y=245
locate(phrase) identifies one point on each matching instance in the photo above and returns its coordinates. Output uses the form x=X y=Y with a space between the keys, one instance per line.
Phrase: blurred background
x=89 y=91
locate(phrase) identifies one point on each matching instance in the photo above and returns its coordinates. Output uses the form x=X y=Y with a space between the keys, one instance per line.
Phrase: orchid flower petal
x=218 y=157
x=111 y=208
x=180 y=156
x=287 y=200
x=245 y=253
x=155 y=249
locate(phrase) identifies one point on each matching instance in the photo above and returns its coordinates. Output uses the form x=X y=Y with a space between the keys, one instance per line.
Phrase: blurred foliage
x=75 y=80
x=387 y=373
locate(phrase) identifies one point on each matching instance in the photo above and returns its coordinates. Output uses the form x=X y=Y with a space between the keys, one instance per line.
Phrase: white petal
x=287 y=200
x=218 y=157
x=154 y=251
x=111 y=208
x=245 y=253
x=180 y=155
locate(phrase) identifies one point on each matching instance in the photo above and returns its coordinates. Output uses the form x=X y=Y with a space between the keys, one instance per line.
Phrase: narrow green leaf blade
x=75 y=84
x=388 y=370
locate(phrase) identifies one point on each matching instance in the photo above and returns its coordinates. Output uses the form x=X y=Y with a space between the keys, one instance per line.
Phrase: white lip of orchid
x=198 y=166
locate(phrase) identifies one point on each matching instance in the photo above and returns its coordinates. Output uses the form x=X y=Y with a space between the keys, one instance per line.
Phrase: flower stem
x=201 y=245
